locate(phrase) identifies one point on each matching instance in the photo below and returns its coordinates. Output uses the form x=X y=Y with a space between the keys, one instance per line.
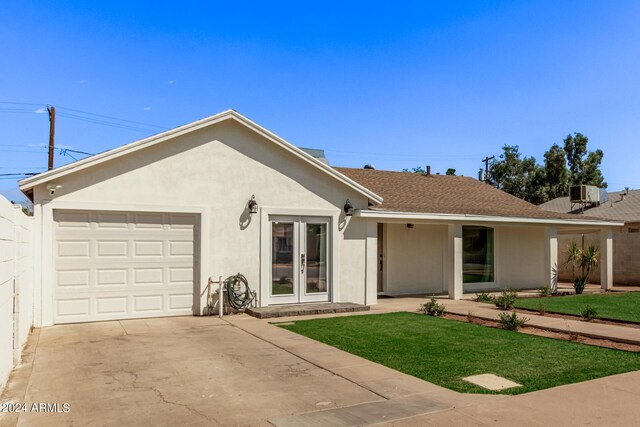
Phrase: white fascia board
x=97 y=159
x=483 y=218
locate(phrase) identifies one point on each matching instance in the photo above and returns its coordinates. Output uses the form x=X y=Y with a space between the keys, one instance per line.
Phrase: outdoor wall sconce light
x=348 y=208
x=253 y=205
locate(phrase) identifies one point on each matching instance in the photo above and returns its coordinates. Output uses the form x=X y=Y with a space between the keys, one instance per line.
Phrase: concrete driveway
x=172 y=371
x=245 y=371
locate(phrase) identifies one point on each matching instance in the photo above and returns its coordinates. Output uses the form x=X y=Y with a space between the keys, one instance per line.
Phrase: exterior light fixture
x=348 y=208
x=253 y=205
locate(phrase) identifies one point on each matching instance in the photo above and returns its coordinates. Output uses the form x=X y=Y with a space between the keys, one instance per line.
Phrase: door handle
x=302 y=263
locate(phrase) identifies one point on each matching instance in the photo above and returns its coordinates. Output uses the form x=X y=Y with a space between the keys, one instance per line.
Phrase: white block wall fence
x=16 y=285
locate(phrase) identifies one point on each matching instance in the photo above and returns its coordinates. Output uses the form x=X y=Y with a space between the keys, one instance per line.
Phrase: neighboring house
x=138 y=230
x=621 y=206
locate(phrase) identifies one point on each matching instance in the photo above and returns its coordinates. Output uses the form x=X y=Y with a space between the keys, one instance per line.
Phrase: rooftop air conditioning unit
x=584 y=194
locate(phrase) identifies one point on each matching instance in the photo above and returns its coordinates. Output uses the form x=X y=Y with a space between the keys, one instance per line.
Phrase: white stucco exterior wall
x=520 y=257
x=214 y=171
x=415 y=259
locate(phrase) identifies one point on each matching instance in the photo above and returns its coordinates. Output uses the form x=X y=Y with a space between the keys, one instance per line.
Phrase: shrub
x=484 y=297
x=511 y=321
x=432 y=308
x=545 y=291
x=506 y=300
x=542 y=309
x=589 y=313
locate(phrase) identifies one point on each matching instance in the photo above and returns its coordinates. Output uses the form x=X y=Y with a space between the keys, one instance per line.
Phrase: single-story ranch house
x=137 y=231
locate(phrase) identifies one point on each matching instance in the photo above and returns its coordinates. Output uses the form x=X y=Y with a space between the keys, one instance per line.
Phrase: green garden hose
x=238 y=293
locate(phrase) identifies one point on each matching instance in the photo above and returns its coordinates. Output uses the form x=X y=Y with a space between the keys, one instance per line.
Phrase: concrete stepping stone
x=491 y=382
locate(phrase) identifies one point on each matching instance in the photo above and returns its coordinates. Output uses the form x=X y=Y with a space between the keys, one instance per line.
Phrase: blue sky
x=394 y=84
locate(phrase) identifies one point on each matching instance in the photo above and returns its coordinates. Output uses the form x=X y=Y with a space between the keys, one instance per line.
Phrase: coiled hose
x=238 y=293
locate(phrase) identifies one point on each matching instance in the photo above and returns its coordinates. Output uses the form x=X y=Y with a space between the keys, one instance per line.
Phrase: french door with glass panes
x=299 y=259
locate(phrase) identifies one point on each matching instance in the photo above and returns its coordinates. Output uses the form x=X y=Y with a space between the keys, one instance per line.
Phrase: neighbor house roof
x=442 y=194
x=28 y=183
x=627 y=210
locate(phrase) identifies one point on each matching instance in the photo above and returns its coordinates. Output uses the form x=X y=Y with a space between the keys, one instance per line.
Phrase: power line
x=17 y=111
x=104 y=122
x=22 y=103
x=112 y=118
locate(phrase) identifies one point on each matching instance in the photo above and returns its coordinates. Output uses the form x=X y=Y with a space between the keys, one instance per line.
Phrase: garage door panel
x=149 y=248
x=73 y=220
x=181 y=248
x=74 y=278
x=112 y=220
x=117 y=265
x=112 y=277
x=145 y=276
x=74 y=248
x=180 y=302
x=148 y=221
x=112 y=248
x=180 y=275
x=147 y=302
x=111 y=305
x=180 y=222
x=73 y=307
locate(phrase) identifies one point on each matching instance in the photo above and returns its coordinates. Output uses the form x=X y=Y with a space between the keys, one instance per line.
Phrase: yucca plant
x=585 y=260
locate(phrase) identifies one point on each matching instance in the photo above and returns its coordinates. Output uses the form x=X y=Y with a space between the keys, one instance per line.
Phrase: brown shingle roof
x=627 y=210
x=443 y=194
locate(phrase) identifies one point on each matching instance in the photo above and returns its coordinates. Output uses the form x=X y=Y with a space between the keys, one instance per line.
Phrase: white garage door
x=119 y=265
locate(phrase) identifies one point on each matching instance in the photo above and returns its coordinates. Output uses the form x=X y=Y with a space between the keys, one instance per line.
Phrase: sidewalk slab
x=623 y=334
x=363 y=414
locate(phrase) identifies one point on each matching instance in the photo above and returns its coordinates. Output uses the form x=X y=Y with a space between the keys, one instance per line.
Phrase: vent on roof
x=369 y=166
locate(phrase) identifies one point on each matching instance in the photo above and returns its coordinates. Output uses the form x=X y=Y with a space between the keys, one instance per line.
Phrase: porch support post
x=551 y=258
x=371 y=274
x=454 y=261
x=606 y=258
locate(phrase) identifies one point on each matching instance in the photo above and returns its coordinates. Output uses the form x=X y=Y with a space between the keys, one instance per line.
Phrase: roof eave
x=444 y=217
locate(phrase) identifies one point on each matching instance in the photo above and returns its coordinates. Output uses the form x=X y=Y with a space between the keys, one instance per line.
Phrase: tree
x=571 y=165
x=417 y=169
x=556 y=174
x=584 y=165
x=515 y=175
x=420 y=169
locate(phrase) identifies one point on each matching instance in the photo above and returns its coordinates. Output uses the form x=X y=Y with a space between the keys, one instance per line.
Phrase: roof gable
x=28 y=183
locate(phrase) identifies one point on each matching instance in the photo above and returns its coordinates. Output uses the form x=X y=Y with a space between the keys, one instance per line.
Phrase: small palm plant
x=585 y=260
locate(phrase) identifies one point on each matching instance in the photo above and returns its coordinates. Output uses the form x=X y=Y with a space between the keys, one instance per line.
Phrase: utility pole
x=486 y=168
x=52 y=128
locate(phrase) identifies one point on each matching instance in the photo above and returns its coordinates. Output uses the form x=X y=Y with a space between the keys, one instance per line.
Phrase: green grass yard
x=444 y=351
x=618 y=306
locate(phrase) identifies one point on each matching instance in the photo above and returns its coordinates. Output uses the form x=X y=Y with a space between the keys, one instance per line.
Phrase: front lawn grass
x=444 y=351
x=617 y=306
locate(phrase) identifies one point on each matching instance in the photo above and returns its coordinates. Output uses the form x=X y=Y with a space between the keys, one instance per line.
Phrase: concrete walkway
x=617 y=333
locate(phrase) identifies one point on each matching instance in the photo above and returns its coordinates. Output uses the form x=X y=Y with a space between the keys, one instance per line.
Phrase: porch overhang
x=442 y=218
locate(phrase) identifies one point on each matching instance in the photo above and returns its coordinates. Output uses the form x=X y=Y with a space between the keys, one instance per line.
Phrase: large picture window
x=477 y=253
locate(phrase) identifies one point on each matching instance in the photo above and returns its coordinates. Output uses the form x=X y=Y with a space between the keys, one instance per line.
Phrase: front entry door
x=299 y=259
